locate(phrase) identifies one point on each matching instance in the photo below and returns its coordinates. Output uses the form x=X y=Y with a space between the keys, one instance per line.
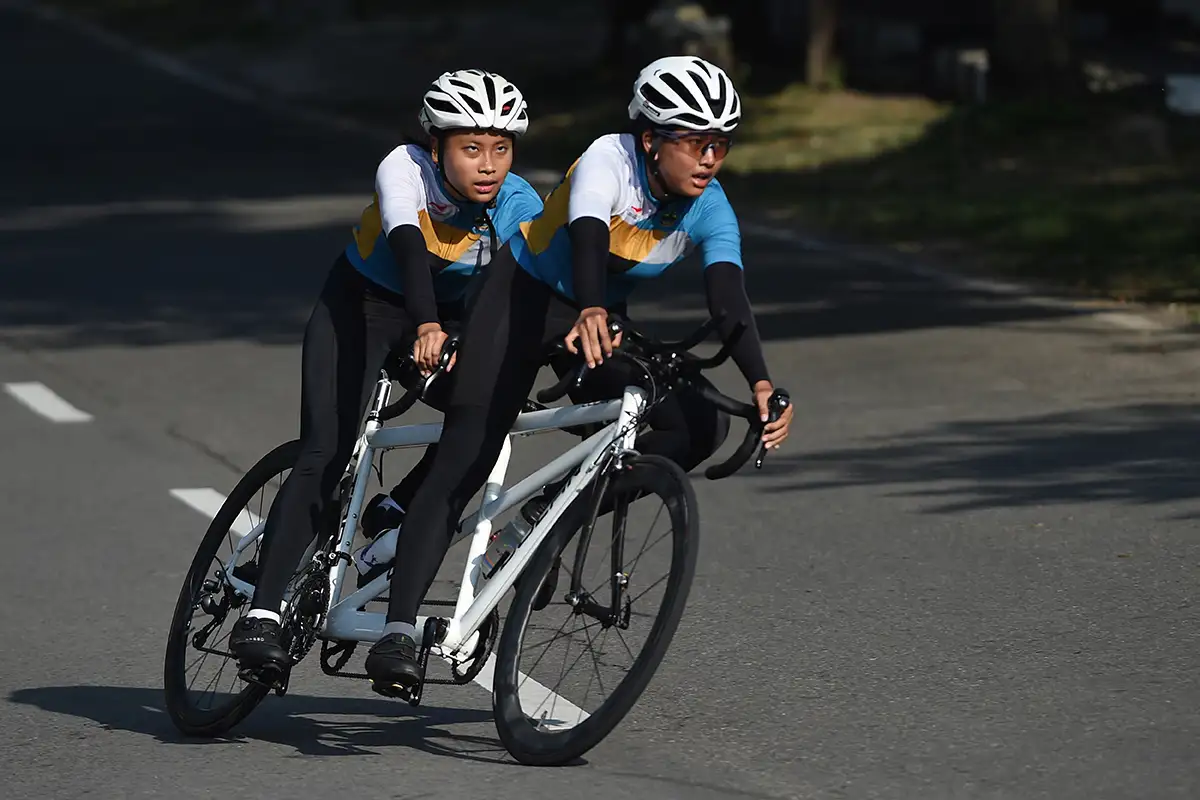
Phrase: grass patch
x=1070 y=194
x=1098 y=194
x=798 y=129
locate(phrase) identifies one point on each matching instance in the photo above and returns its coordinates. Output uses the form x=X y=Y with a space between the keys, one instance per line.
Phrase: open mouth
x=485 y=187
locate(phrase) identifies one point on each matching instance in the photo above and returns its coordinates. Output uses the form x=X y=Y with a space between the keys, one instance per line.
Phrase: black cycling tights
x=353 y=327
x=499 y=355
x=515 y=318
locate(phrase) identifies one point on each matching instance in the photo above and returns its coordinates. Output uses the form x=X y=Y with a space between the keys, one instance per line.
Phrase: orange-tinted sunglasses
x=696 y=144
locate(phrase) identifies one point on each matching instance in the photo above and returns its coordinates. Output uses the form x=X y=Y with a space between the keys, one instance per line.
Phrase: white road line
x=1133 y=322
x=536 y=700
x=209 y=501
x=552 y=710
x=42 y=400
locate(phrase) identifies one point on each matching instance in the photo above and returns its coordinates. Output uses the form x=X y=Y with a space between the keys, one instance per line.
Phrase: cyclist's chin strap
x=652 y=170
x=441 y=164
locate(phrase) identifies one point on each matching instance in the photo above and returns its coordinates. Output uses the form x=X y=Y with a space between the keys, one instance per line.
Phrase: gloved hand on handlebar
x=591 y=332
x=427 y=349
x=775 y=431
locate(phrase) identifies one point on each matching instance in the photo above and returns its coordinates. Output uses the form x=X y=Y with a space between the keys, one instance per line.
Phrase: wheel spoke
x=642 y=593
x=624 y=644
x=645 y=547
x=595 y=663
x=543 y=655
x=561 y=634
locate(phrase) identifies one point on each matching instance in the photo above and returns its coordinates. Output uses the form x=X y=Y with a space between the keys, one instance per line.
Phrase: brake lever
x=449 y=348
x=777 y=403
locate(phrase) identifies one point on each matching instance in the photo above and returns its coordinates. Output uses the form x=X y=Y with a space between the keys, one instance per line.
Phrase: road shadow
x=203 y=275
x=801 y=293
x=138 y=210
x=317 y=726
x=1138 y=455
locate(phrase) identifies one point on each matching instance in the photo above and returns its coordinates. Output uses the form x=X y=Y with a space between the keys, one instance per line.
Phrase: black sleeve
x=408 y=247
x=725 y=284
x=589 y=257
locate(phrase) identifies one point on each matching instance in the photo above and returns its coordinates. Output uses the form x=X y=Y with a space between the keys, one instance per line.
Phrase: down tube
x=350 y=526
x=495 y=587
x=533 y=482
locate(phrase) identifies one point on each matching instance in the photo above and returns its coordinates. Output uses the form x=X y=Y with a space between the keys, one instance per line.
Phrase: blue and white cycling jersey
x=409 y=190
x=609 y=182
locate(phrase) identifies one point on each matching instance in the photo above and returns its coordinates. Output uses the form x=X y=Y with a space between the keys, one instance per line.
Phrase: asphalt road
x=971 y=573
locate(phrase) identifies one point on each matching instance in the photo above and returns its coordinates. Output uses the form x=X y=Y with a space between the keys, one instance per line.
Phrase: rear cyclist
x=438 y=216
x=630 y=207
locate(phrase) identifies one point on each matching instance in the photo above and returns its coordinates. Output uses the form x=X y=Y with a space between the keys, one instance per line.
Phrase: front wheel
x=550 y=711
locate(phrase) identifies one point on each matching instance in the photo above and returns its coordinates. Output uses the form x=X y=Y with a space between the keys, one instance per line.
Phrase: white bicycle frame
x=347 y=619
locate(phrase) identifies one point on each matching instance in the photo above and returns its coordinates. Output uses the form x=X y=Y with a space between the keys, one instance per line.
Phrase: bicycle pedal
x=269 y=677
x=396 y=691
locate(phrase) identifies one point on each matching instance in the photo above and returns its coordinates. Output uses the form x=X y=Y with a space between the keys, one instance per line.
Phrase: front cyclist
x=438 y=216
x=629 y=208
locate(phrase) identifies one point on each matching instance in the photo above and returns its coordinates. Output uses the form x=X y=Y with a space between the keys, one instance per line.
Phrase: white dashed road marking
x=552 y=710
x=209 y=501
x=42 y=400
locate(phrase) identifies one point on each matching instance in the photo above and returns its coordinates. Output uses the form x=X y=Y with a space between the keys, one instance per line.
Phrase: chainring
x=483 y=649
x=306 y=612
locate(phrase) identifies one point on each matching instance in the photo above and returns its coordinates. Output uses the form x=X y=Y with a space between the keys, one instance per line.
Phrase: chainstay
x=365 y=676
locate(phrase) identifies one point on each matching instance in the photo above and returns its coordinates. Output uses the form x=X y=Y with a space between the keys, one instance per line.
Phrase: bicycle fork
x=633 y=405
x=582 y=601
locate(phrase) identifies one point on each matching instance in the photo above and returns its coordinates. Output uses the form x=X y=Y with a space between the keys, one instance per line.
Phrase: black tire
x=527 y=744
x=216 y=721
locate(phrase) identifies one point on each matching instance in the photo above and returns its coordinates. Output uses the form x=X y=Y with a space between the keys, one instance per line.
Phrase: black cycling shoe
x=545 y=592
x=392 y=664
x=532 y=511
x=255 y=644
x=376 y=520
x=535 y=507
x=248 y=572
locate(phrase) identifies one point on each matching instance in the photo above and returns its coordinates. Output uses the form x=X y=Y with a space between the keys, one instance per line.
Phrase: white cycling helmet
x=472 y=98
x=686 y=92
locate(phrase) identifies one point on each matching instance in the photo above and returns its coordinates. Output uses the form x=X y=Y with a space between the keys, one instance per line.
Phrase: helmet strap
x=441 y=162
x=652 y=167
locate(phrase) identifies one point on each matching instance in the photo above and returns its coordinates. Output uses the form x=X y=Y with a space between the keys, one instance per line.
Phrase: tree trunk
x=1031 y=51
x=622 y=15
x=822 y=25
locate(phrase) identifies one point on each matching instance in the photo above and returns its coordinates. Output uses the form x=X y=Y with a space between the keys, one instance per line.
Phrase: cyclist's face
x=476 y=163
x=687 y=162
